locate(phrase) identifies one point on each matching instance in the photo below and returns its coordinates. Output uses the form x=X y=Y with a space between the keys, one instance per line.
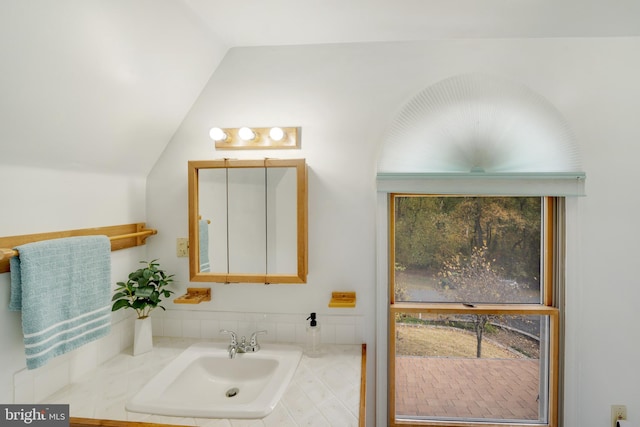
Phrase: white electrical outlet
x=618 y=412
x=182 y=247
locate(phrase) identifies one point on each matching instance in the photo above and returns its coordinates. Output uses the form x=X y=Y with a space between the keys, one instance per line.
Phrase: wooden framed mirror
x=248 y=221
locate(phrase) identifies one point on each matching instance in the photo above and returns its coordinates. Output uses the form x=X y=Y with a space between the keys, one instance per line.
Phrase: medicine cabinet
x=248 y=221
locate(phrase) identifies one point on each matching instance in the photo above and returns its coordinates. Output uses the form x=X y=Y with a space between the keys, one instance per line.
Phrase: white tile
x=137 y=417
x=301 y=408
x=229 y=325
x=336 y=414
x=210 y=329
x=345 y=334
x=108 y=347
x=309 y=383
x=261 y=318
x=280 y=417
x=323 y=392
x=113 y=387
x=124 y=330
x=233 y=316
x=341 y=378
x=24 y=387
x=126 y=335
x=359 y=330
x=157 y=326
x=318 y=364
x=285 y=333
x=172 y=327
x=191 y=328
x=277 y=318
x=245 y=323
x=211 y=422
x=200 y=315
x=246 y=423
x=83 y=360
x=81 y=400
x=159 y=419
x=328 y=333
x=271 y=335
x=80 y=409
x=313 y=418
x=248 y=327
x=51 y=378
x=301 y=333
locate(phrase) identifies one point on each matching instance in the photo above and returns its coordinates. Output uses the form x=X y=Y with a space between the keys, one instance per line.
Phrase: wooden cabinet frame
x=550 y=252
x=300 y=276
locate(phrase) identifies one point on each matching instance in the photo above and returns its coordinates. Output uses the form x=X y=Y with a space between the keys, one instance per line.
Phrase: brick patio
x=468 y=388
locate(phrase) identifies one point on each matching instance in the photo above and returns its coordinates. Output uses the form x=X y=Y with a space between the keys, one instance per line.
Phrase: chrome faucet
x=242 y=347
x=233 y=346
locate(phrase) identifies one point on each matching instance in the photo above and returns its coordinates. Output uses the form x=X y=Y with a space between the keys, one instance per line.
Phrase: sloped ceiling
x=102 y=85
x=98 y=85
x=285 y=22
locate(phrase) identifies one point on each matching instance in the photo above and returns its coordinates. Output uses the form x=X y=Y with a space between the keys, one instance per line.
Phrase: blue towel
x=203 y=229
x=63 y=287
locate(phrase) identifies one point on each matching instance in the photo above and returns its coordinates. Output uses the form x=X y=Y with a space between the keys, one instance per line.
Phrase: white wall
x=343 y=97
x=98 y=85
x=94 y=87
x=37 y=201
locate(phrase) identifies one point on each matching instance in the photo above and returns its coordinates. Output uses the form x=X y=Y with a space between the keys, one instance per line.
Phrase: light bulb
x=276 y=134
x=246 y=134
x=217 y=134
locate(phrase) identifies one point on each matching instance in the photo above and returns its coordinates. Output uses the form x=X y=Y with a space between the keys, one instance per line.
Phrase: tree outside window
x=468 y=284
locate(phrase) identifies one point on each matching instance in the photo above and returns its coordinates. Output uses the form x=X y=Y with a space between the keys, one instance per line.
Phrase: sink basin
x=203 y=382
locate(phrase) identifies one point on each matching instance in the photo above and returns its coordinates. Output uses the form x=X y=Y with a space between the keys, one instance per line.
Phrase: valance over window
x=479 y=134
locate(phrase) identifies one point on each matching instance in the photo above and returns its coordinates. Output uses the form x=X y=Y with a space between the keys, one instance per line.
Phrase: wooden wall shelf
x=194 y=296
x=342 y=300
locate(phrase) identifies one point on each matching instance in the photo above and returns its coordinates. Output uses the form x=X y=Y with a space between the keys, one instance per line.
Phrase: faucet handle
x=234 y=340
x=254 y=338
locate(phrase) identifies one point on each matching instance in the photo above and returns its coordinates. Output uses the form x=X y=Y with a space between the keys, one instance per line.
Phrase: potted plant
x=143 y=292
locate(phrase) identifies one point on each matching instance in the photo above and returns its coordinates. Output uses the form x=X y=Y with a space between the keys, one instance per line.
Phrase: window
x=473 y=318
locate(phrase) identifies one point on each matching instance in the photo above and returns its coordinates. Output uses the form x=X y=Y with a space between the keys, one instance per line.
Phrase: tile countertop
x=324 y=391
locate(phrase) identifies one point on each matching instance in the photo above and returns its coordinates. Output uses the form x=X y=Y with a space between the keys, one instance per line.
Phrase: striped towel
x=63 y=288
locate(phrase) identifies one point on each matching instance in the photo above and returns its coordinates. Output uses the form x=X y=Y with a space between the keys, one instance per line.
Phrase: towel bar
x=8 y=253
x=139 y=236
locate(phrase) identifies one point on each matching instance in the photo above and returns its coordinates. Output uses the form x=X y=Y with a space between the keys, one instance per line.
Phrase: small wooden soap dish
x=342 y=299
x=194 y=296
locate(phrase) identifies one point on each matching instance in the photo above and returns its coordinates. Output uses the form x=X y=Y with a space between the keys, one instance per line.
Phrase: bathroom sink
x=204 y=382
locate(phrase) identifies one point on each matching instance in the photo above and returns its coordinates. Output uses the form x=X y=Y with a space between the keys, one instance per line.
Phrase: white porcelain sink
x=204 y=382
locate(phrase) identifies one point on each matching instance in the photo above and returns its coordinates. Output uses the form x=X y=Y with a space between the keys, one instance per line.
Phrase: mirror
x=248 y=221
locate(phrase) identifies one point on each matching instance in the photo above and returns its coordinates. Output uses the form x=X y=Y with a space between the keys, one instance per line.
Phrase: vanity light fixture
x=218 y=134
x=246 y=134
x=276 y=134
x=256 y=138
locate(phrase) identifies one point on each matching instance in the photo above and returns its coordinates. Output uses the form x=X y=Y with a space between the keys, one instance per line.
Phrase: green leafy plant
x=143 y=290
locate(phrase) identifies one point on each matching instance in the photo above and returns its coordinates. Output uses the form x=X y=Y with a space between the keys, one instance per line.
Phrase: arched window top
x=481 y=126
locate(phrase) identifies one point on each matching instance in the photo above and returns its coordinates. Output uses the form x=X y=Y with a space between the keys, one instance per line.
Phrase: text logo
x=34 y=415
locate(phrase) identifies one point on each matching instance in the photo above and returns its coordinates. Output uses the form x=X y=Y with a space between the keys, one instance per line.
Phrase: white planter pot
x=143 y=337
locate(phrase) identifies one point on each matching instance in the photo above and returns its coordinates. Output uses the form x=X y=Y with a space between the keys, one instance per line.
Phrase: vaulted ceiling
x=102 y=85
x=284 y=22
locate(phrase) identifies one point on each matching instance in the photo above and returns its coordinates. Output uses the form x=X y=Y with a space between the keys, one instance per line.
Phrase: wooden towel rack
x=121 y=236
